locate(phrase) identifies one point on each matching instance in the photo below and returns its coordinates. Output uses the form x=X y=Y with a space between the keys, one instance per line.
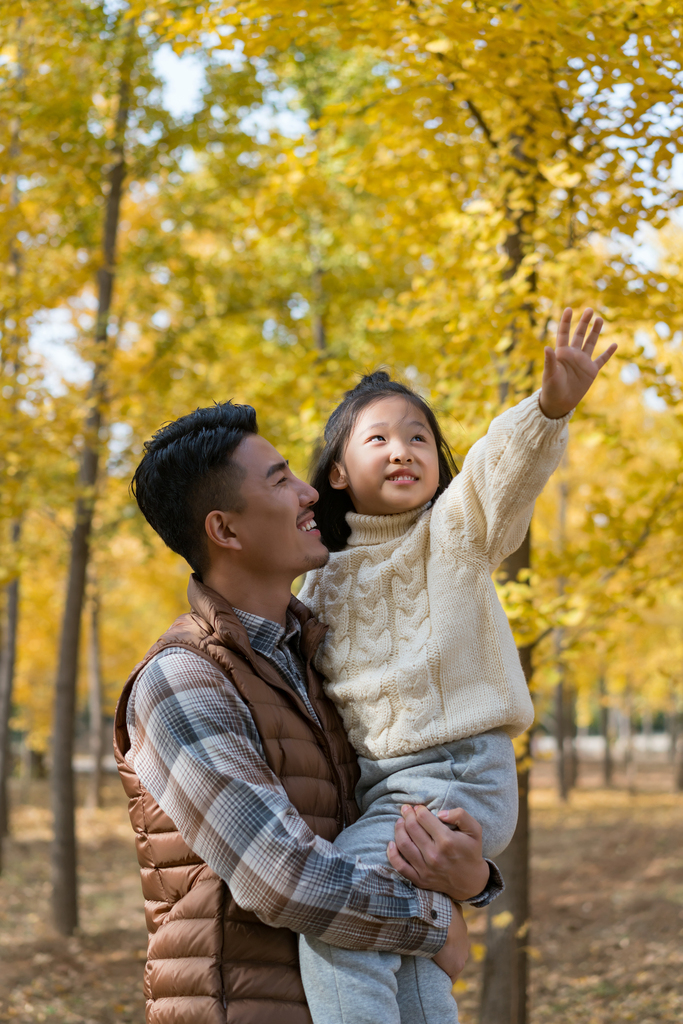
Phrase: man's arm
x=424 y=844
x=197 y=751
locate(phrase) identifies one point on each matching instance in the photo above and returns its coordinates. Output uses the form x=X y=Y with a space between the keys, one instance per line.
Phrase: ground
x=606 y=940
x=607 y=910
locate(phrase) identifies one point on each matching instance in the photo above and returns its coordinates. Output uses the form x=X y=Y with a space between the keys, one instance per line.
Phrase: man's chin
x=316 y=561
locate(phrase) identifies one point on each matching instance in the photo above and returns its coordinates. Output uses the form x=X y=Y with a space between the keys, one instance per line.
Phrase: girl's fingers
x=564 y=327
x=601 y=360
x=581 y=328
x=550 y=360
x=592 y=339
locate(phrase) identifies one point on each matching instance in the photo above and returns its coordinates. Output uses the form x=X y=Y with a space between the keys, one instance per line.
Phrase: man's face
x=275 y=528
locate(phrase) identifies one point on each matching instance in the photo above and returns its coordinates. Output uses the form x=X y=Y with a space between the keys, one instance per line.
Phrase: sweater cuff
x=537 y=424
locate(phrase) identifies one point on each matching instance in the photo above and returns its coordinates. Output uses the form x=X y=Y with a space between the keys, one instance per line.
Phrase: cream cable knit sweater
x=419 y=651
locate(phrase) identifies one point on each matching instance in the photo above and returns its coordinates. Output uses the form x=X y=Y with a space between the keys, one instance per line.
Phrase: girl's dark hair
x=332 y=505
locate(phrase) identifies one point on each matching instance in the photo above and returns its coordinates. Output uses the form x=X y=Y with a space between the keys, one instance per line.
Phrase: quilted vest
x=209 y=961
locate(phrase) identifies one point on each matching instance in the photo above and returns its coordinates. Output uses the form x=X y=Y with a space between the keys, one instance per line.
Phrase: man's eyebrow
x=277 y=467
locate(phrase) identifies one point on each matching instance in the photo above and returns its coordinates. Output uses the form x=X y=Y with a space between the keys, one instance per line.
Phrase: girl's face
x=391 y=463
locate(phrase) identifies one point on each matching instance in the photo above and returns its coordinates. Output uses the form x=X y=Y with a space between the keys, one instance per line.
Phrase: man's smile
x=307 y=524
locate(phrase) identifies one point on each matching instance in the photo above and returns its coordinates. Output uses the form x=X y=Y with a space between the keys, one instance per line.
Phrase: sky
x=183 y=79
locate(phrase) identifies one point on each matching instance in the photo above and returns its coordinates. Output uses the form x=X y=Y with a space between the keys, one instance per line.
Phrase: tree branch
x=482 y=123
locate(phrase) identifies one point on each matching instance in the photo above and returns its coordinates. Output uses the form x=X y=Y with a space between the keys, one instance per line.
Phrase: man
x=237 y=767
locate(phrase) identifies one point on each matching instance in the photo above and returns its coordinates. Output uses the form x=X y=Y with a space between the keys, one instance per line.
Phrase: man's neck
x=265 y=597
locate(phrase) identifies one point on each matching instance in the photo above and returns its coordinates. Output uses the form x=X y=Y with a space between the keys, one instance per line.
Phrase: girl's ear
x=338 y=479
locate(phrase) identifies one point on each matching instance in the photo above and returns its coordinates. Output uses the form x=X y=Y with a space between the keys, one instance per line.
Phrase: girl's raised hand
x=569 y=369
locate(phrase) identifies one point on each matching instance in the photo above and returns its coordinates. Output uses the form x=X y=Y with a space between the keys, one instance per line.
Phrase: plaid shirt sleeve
x=196 y=749
x=494 y=887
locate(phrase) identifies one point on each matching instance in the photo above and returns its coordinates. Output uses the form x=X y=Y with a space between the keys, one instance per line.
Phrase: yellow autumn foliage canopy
x=451 y=177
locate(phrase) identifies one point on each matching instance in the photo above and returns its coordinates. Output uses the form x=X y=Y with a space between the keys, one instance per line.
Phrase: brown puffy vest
x=209 y=962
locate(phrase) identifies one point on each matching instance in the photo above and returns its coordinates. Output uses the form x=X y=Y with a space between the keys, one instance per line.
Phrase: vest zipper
x=328 y=754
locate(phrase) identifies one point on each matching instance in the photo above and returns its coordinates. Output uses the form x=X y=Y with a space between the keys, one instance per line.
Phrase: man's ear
x=338 y=478
x=217 y=526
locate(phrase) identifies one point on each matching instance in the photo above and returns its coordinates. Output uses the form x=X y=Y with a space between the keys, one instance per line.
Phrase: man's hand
x=433 y=856
x=569 y=370
x=453 y=955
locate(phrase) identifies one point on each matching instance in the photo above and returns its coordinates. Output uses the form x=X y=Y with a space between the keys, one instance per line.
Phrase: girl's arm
x=491 y=501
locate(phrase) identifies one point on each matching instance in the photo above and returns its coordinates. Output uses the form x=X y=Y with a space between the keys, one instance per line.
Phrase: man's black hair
x=332 y=505
x=187 y=471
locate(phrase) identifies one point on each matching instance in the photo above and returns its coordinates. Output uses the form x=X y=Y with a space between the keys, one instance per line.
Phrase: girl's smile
x=400 y=477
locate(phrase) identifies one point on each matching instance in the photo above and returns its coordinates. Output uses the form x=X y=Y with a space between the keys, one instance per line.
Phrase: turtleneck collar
x=381 y=529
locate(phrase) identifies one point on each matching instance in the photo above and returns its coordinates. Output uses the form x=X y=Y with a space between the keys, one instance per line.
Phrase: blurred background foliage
x=417 y=185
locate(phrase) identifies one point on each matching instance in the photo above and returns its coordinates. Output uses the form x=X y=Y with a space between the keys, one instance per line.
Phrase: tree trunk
x=94 y=795
x=561 y=689
x=607 y=763
x=572 y=754
x=560 y=732
x=64 y=884
x=318 y=311
x=9 y=640
x=7 y=663
x=504 y=994
x=672 y=729
x=64 y=892
x=629 y=755
x=679 y=762
x=31 y=766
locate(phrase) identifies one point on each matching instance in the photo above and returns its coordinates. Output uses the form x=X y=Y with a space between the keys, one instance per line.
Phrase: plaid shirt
x=279 y=646
x=195 y=748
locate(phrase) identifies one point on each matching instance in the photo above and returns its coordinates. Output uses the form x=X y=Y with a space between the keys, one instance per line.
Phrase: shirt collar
x=264 y=634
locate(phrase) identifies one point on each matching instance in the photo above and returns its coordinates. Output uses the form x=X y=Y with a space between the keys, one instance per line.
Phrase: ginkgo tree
x=462 y=172
x=81 y=88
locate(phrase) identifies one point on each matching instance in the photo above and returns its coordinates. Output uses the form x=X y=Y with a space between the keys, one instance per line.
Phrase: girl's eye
x=376 y=437
x=418 y=437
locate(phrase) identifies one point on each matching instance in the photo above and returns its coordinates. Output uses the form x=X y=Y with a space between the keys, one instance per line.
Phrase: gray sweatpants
x=346 y=986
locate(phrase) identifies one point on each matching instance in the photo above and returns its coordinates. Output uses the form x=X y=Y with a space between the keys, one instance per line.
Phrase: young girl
x=419 y=657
